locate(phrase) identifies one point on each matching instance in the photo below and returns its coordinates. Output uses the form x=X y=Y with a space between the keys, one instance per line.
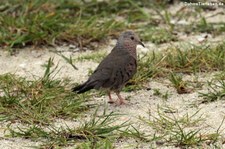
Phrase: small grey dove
x=116 y=69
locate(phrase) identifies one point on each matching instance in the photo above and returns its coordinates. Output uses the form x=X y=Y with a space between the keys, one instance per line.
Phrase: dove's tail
x=82 y=88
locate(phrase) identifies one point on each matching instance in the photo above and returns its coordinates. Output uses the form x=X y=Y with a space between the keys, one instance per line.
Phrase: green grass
x=28 y=101
x=216 y=91
x=180 y=131
x=158 y=36
x=176 y=60
x=156 y=92
x=99 y=131
x=205 y=27
x=52 y=22
x=179 y=84
x=196 y=59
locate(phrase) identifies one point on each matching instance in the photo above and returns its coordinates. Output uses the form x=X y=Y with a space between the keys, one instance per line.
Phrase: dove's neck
x=131 y=48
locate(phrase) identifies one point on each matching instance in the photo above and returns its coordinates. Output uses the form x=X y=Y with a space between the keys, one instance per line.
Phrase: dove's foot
x=111 y=101
x=120 y=100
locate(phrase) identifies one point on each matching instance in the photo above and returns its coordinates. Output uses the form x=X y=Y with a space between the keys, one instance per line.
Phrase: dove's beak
x=141 y=44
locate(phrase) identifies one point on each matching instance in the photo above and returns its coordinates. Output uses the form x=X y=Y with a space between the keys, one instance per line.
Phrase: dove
x=116 y=69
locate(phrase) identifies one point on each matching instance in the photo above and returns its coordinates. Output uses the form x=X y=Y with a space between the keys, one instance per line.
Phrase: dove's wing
x=113 y=72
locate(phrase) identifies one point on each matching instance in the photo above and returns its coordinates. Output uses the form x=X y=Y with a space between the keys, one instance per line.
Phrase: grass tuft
x=175 y=130
x=179 y=84
x=40 y=100
x=99 y=130
x=216 y=91
x=165 y=96
x=194 y=59
x=52 y=22
x=158 y=36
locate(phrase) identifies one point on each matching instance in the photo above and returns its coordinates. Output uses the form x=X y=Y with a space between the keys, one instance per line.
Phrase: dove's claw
x=111 y=101
x=120 y=100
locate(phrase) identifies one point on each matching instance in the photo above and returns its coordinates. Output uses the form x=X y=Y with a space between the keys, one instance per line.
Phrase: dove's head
x=129 y=39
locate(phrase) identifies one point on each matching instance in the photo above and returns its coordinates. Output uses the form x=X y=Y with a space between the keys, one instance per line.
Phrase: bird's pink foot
x=111 y=101
x=120 y=100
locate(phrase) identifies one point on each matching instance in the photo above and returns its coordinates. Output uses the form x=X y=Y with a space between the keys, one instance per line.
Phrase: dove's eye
x=132 y=38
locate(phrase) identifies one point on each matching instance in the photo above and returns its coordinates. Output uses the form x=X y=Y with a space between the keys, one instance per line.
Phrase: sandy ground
x=28 y=63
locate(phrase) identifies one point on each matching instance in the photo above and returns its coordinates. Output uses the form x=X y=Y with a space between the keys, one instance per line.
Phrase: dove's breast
x=123 y=74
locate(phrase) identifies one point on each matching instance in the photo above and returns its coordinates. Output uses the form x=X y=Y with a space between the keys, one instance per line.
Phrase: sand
x=28 y=63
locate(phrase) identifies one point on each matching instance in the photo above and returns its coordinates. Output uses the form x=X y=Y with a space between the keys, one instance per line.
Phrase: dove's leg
x=110 y=97
x=120 y=100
